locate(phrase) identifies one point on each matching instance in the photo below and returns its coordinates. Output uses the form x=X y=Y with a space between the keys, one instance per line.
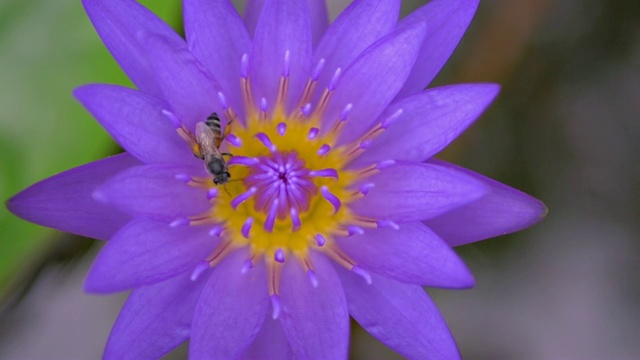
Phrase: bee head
x=222 y=178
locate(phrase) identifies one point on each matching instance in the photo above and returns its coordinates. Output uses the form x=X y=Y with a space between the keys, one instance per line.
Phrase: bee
x=209 y=137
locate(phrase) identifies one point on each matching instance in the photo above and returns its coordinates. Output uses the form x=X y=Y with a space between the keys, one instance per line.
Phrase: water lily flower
x=279 y=178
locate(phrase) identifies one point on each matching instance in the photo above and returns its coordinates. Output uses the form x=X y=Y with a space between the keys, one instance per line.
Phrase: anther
x=216 y=231
x=305 y=111
x=246 y=266
x=295 y=219
x=264 y=106
x=324 y=149
x=212 y=193
x=243 y=197
x=282 y=128
x=365 y=188
x=385 y=164
x=354 y=230
x=345 y=112
x=223 y=101
x=363 y=273
x=183 y=177
x=243 y=160
x=244 y=66
x=279 y=256
x=324 y=173
x=317 y=70
x=276 y=305
x=199 y=269
x=179 y=222
x=313 y=279
x=264 y=139
x=387 y=223
x=388 y=121
x=233 y=140
x=172 y=117
x=320 y=240
x=246 y=227
x=313 y=133
x=334 y=80
x=287 y=64
x=332 y=199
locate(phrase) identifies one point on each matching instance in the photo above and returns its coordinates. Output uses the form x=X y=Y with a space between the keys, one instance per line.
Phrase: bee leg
x=226 y=154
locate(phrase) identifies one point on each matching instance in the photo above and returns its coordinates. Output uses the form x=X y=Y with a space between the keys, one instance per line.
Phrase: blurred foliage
x=47 y=48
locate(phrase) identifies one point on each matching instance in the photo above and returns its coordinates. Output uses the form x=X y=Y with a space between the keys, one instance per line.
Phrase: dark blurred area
x=565 y=129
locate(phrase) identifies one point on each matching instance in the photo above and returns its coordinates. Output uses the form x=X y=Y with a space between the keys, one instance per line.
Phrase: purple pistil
x=295 y=219
x=243 y=160
x=271 y=216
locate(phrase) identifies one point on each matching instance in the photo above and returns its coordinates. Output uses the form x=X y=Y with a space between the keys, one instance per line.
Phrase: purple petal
x=412 y=254
x=185 y=83
x=409 y=191
x=361 y=24
x=401 y=316
x=230 y=311
x=447 y=21
x=429 y=121
x=319 y=16
x=146 y=252
x=135 y=120
x=118 y=22
x=271 y=343
x=153 y=192
x=251 y=15
x=373 y=79
x=284 y=25
x=502 y=210
x=218 y=38
x=317 y=13
x=315 y=320
x=155 y=319
x=64 y=201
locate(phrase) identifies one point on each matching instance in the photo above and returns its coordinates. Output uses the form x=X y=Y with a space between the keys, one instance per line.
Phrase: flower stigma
x=290 y=187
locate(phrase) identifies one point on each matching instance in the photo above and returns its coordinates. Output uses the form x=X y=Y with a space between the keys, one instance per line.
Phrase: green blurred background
x=566 y=129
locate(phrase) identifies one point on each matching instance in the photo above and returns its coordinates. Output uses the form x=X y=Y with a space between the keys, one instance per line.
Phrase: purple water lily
x=334 y=206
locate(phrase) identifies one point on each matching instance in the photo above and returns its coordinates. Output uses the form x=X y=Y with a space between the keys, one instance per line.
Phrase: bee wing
x=206 y=139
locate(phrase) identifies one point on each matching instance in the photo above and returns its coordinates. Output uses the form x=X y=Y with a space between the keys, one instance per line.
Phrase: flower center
x=289 y=190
